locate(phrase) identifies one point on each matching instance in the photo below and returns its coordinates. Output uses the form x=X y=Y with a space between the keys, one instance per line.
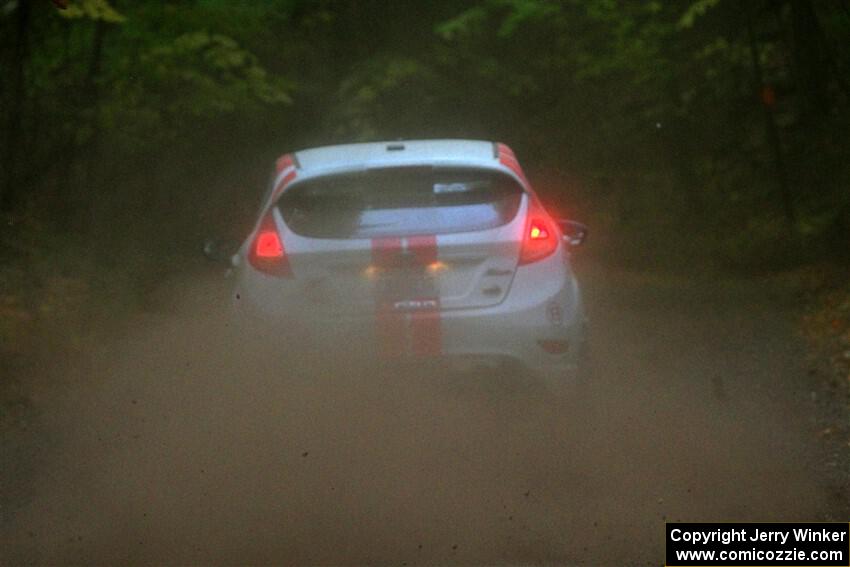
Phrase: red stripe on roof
x=508 y=159
x=504 y=149
x=283 y=162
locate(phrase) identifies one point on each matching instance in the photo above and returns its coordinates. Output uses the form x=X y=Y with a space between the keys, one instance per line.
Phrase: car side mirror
x=575 y=233
x=220 y=250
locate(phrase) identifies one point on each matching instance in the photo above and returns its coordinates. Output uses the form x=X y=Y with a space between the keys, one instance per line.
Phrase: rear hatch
x=410 y=238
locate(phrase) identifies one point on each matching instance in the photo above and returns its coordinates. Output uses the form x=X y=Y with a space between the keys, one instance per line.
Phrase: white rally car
x=434 y=249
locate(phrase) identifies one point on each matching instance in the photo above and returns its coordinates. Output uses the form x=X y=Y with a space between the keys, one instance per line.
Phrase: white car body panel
x=472 y=300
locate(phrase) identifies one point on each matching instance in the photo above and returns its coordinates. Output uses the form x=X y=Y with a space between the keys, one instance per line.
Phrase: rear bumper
x=544 y=336
x=538 y=328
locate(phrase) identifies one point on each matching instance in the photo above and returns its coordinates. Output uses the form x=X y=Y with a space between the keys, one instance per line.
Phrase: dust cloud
x=179 y=440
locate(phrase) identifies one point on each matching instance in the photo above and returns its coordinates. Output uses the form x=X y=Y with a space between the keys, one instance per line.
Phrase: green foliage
x=202 y=75
x=696 y=10
x=463 y=24
x=92 y=10
x=634 y=110
x=374 y=95
x=516 y=13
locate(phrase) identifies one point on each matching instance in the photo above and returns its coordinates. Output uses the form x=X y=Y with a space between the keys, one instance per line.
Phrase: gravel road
x=168 y=443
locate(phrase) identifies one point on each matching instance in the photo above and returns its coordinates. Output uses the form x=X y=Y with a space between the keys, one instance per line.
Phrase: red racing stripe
x=424 y=249
x=508 y=159
x=389 y=323
x=425 y=325
x=386 y=252
x=283 y=162
x=504 y=149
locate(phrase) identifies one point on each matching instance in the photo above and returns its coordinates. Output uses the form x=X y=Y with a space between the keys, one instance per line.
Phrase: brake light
x=541 y=237
x=268 y=245
x=267 y=253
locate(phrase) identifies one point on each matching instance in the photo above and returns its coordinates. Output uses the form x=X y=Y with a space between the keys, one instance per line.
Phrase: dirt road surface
x=170 y=444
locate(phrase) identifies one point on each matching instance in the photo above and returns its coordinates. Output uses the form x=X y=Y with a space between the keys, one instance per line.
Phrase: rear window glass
x=400 y=201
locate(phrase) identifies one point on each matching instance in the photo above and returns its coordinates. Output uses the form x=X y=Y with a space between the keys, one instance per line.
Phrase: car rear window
x=399 y=202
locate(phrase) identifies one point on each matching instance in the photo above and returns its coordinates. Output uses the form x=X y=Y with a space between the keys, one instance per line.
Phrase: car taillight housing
x=267 y=253
x=541 y=234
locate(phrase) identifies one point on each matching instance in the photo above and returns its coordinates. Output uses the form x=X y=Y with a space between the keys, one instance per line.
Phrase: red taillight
x=541 y=237
x=268 y=245
x=267 y=253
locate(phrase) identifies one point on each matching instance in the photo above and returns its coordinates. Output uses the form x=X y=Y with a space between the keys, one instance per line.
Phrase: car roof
x=395 y=153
